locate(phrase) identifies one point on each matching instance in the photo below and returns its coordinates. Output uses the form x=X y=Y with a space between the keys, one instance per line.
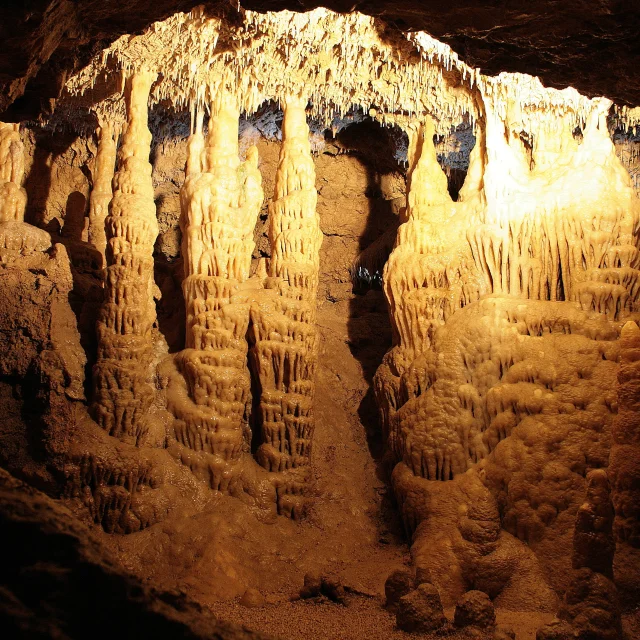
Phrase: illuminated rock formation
x=547 y=243
x=211 y=397
x=16 y=237
x=122 y=391
x=498 y=398
x=284 y=331
x=102 y=193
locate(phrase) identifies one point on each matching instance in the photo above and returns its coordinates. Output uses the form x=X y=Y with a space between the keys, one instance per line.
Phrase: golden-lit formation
x=122 y=391
x=284 y=331
x=511 y=383
x=102 y=192
x=16 y=237
x=220 y=200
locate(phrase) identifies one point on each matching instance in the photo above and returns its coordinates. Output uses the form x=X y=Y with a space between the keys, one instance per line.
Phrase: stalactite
x=286 y=341
x=102 y=193
x=429 y=276
x=122 y=391
x=536 y=242
x=211 y=399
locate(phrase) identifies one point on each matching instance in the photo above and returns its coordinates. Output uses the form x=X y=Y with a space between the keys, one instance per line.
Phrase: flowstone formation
x=122 y=393
x=506 y=322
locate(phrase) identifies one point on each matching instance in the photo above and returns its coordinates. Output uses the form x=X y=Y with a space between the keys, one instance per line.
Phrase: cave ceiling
x=592 y=46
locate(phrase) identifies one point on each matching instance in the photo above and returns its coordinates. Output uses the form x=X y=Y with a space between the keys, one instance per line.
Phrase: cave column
x=102 y=192
x=286 y=340
x=122 y=391
x=220 y=201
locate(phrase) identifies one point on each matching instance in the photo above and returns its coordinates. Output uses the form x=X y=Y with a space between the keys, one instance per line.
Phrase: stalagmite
x=512 y=304
x=102 y=193
x=211 y=399
x=16 y=237
x=481 y=362
x=122 y=391
x=286 y=342
x=590 y=605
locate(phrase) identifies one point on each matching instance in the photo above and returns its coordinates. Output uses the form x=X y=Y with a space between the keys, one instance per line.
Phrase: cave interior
x=320 y=323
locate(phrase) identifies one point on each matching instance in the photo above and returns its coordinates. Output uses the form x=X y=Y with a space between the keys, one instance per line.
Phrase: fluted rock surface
x=284 y=329
x=102 y=191
x=211 y=398
x=122 y=391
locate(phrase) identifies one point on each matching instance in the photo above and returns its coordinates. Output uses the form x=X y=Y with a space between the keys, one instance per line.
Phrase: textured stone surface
x=58 y=582
x=398 y=585
x=592 y=46
x=420 y=610
x=556 y=630
x=474 y=609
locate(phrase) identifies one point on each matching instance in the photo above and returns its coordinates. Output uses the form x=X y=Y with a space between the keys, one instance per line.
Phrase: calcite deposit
x=220 y=200
x=122 y=394
x=329 y=274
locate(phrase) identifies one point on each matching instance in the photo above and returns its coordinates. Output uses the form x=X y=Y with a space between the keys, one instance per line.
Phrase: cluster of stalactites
x=220 y=200
x=102 y=192
x=560 y=216
x=337 y=60
x=285 y=335
x=543 y=216
x=122 y=393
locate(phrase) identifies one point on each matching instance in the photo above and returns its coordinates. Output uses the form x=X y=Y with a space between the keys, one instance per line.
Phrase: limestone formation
x=102 y=192
x=16 y=238
x=508 y=400
x=420 y=610
x=474 y=609
x=397 y=585
x=211 y=399
x=283 y=326
x=590 y=607
x=489 y=296
x=122 y=393
x=624 y=466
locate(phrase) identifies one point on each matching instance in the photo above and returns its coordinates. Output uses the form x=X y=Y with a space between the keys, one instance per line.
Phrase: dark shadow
x=85 y=296
x=37 y=184
x=453 y=152
x=170 y=309
x=368 y=326
x=75 y=216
